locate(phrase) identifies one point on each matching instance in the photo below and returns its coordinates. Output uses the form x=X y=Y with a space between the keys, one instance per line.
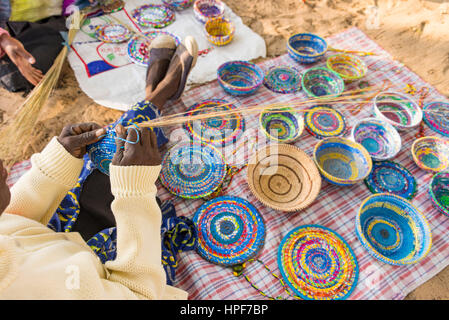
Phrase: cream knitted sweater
x=37 y=263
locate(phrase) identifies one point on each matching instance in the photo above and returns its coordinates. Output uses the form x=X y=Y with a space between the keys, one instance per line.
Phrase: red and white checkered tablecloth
x=335 y=207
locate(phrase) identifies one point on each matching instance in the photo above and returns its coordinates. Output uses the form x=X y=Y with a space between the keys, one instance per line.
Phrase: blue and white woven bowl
x=240 y=77
x=102 y=152
x=321 y=82
x=341 y=161
x=379 y=138
x=392 y=230
x=306 y=47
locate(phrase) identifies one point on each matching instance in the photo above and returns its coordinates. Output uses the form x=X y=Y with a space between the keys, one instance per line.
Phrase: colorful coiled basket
x=322 y=82
x=398 y=109
x=208 y=9
x=219 y=31
x=439 y=192
x=240 y=77
x=379 y=138
x=436 y=116
x=282 y=125
x=392 y=230
x=177 y=5
x=341 y=161
x=431 y=153
x=306 y=47
x=348 y=66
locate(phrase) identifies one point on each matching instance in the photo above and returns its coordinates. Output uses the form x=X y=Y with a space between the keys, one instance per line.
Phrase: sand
x=415 y=32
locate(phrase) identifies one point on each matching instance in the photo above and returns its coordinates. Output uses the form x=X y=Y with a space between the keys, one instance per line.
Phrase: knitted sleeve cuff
x=133 y=181
x=57 y=164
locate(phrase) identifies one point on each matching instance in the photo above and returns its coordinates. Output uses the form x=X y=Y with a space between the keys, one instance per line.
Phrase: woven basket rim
x=313 y=174
x=350 y=143
x=385 y=124
x=337 y=76
x=418 y=162
x=440 y=207
x=352 y=57
x=373 y=251
x=307 y=55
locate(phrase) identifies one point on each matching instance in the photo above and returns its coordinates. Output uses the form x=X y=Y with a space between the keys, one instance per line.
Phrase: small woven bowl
x=102 y=152
x=219 y=31
x=431 y=153
x=177 y=5
x=341 y=161
x=439 y=192
x=306 y=47
x=283 y=177
x=435 y=116
x=348 y=66
x=378 y=137
x=208 y=9
x=240 y=77
x=398 y=109
x=321 y=82
x=283 y=125
x=392 y=230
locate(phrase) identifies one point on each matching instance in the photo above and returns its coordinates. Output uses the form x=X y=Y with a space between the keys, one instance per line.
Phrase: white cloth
x=124 y=86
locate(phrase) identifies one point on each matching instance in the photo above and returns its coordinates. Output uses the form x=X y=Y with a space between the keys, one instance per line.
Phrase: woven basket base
x=284 y=177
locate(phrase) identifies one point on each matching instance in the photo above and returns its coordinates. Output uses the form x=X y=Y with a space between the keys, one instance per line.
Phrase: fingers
x=86 y=138
x=86 y=127
x=153 y=137
x=120 y=144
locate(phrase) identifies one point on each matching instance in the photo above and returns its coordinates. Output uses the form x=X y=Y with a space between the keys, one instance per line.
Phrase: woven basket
x=306 y=47
x=435 y=116
x=240 y=77
x=348 y=66
x=286 y=123
x=398 y=109
x=321 y=82
x=439 y=192
x=392 y=230
x=379 y=138
x=219 y=31
x=431 y=153
x=204 y=10
x=177 y=5
x=102 y=152
x=283 y=177
x=341 y=161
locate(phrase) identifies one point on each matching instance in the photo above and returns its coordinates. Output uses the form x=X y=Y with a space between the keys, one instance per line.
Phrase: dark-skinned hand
x=143 y=153
x=21 y=58
x=5 y=195
x=75 y=137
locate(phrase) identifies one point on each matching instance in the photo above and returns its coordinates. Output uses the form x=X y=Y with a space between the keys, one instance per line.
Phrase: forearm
x=38 y=192
x=138 y=263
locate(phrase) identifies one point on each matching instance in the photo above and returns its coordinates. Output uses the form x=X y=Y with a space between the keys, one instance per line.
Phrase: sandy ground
x=415 y=32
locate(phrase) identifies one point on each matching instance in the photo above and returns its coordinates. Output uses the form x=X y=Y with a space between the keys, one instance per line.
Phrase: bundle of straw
x=15 y=136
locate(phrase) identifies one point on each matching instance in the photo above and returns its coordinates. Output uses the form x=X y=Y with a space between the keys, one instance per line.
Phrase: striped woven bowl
x=392 y=230
x=240 y=77
x=306 y=47
x=341 y=161
x=321 y=82
x=439 y=192
x=284 y=125
x=219 y=31
x=398 y=109
x=177 y=5
x=208 y=9
x=431 y=153
x=348 y=66
x=379 y=138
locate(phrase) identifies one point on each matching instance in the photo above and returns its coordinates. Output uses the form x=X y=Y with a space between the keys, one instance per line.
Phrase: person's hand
x=75 y=137
x=143 y=153
x=5 y=194
x=21 y=58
